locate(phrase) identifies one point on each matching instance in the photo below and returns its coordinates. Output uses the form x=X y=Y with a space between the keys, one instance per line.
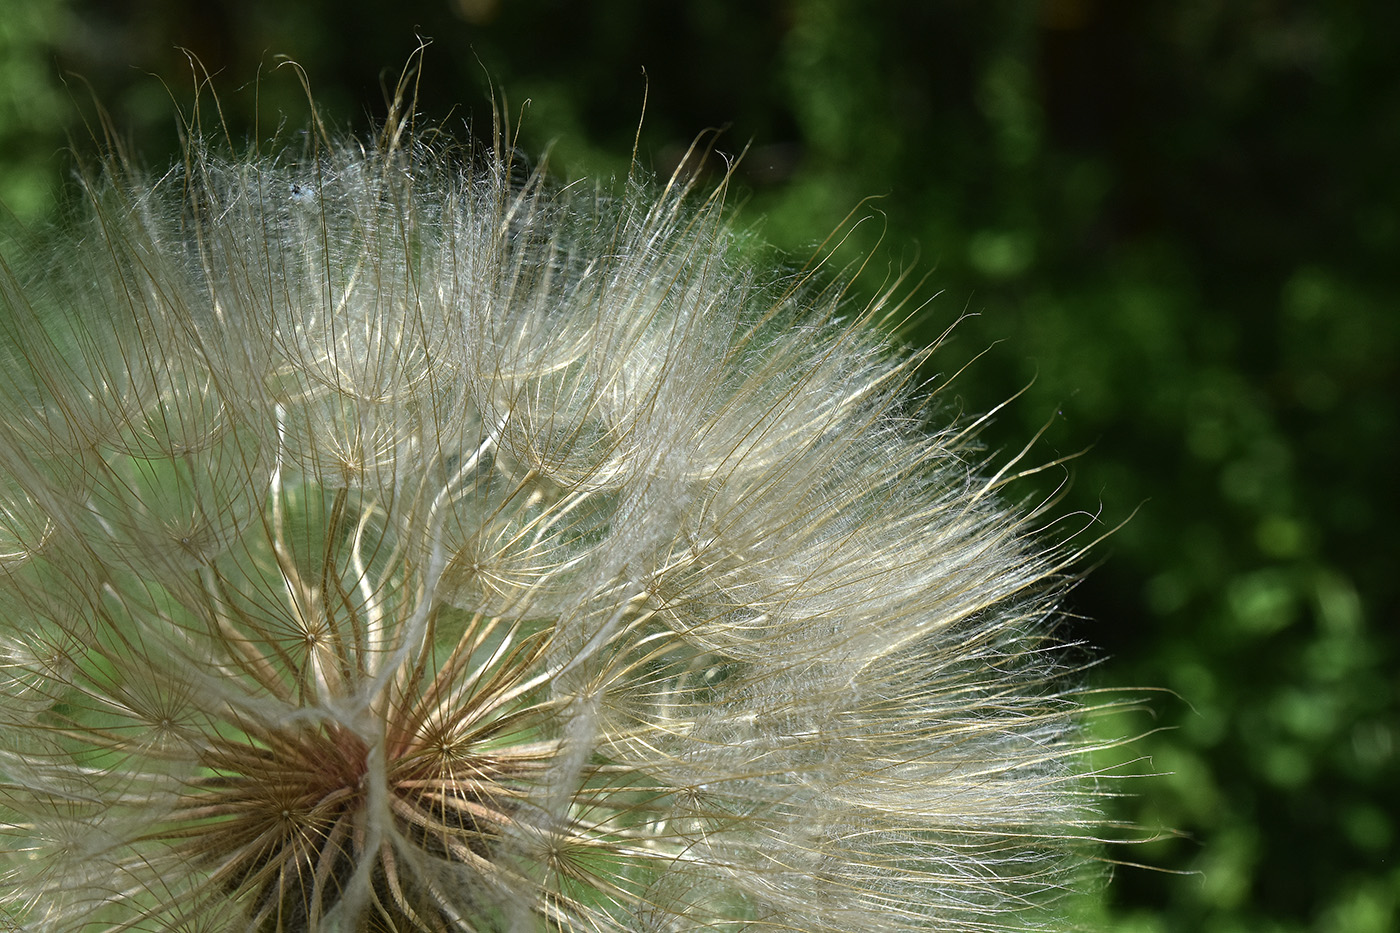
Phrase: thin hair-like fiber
x=393 y=542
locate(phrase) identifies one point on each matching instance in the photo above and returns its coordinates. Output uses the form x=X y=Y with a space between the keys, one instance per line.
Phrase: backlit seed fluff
x=391 y=542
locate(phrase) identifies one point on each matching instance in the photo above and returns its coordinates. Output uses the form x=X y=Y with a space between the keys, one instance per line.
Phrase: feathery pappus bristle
x=392 y=543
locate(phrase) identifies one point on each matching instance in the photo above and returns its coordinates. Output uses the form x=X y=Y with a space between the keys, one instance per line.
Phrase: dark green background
x=1177 y=221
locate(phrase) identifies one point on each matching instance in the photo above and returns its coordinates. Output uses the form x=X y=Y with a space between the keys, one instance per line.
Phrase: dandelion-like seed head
x=390 y=543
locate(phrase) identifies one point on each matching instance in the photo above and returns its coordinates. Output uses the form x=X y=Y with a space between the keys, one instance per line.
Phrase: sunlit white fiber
x=390 y=545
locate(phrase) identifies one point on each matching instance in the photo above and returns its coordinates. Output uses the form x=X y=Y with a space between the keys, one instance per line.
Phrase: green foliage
x=1176 y=223
x=29 y=103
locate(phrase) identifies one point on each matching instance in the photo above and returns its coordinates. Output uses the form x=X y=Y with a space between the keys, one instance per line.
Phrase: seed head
x=391 y=543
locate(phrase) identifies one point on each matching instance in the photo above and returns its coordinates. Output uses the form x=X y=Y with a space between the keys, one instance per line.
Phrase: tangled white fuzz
x=390 y=545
